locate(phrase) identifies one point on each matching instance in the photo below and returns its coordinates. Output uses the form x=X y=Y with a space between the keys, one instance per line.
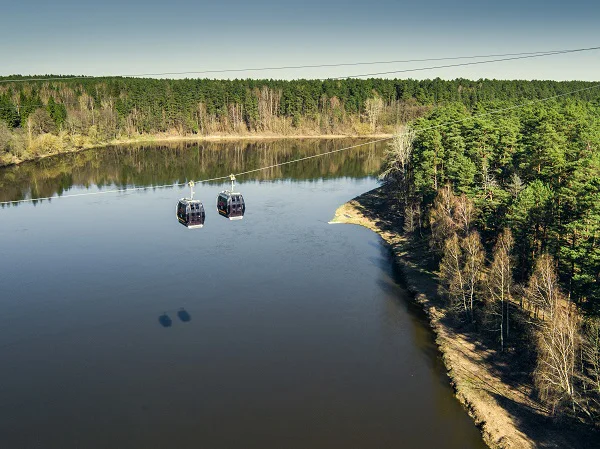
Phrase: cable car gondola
x=230 y=204
x=190 y=212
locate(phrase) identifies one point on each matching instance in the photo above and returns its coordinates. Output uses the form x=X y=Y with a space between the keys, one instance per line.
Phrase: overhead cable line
x=221 y=178
x=312 y=157
x=104 y=192
x=462 y=64
x=348 y=64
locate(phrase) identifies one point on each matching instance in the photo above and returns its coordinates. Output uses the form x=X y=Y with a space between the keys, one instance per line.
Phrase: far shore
x=165 y=139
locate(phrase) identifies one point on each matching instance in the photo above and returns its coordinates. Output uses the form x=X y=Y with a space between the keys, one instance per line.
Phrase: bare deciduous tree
x=542 y=287
x=5 y=137
x=559 y=340
x=412 y=215
x=516 y=185
x=441 y=218
x=474 y=255
x=268 y=106
x=373 y=108
x=397 y=172
x=451 y=272
x=499 y=286
x=399 y=151
x=450 y=214
x=87 y=103
x=40 y=122
x=590 y=354
x=488 y=181
x=557 y=349
x=201 y=115
x=464 y=213
x=461 y=270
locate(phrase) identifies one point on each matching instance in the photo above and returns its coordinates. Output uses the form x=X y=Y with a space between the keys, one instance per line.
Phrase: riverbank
x=63 y=148
x=495 y=394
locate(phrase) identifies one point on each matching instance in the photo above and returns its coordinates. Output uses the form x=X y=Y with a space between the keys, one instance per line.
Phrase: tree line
x=49 y=116
x=510 y=205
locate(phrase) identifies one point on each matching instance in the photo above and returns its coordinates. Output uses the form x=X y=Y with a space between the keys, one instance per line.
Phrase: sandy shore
x=495 y=396
x=240 y=137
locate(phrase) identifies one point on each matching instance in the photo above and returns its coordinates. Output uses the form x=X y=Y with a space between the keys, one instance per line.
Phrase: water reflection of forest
x=144 y=165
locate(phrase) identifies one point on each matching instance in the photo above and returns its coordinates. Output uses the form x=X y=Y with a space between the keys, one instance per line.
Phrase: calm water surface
x=300 y=336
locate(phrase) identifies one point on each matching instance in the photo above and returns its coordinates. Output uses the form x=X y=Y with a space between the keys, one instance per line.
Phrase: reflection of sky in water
x=297 y=333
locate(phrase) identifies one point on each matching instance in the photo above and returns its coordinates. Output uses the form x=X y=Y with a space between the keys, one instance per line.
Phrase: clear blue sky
x=130 y=37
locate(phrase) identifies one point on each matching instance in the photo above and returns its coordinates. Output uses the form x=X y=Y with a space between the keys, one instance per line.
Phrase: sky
x=137 y=37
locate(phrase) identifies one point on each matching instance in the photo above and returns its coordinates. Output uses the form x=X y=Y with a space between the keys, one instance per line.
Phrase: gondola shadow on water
x=166 y=321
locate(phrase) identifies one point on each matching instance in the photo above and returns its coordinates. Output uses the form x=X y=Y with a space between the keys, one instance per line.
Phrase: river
x=299 y=336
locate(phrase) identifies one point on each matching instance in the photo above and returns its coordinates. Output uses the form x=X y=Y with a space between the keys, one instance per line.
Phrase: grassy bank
x=496 y=392
x=58 y=146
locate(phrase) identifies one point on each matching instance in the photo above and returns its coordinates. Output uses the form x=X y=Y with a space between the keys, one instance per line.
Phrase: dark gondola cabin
x=231 y=204
x=190 y=212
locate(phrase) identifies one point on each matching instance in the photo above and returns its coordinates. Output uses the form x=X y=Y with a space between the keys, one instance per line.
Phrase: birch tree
x=542 y=289
x=441 y=218
x=590 y=354
x=373 y=108
x=461 y=270
x=558 y=344
x=499 y=287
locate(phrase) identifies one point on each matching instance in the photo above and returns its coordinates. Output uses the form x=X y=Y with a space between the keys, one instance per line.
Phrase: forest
x=510 y=207
x=54 y=115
